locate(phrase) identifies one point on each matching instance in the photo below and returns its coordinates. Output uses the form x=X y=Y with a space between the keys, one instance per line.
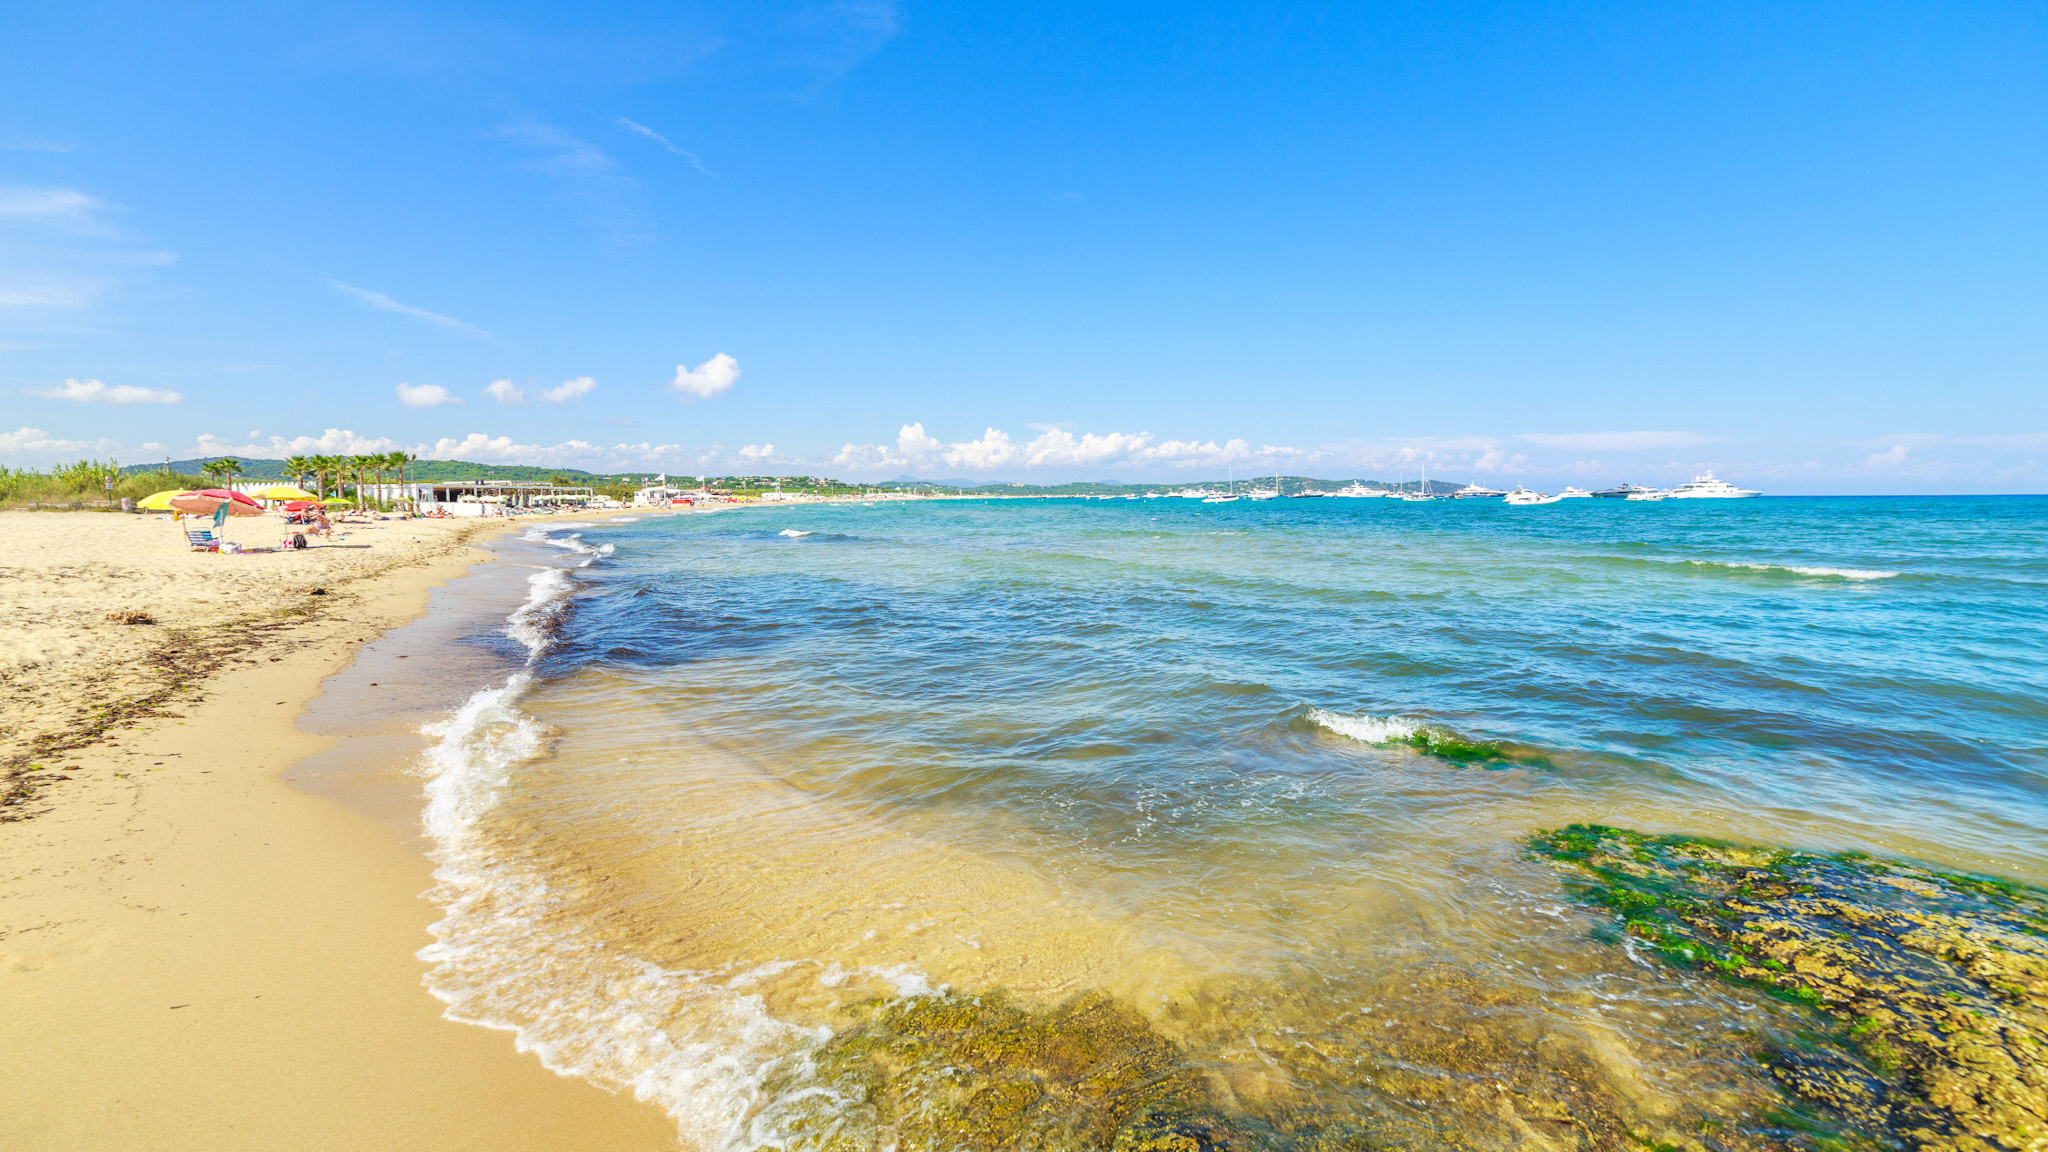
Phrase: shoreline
x=196 y=953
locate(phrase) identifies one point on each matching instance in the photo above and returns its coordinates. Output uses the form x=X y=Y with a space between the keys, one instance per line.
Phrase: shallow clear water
x=758 y=766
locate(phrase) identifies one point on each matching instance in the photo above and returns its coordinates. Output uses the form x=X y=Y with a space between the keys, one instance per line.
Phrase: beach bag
x=298 y=539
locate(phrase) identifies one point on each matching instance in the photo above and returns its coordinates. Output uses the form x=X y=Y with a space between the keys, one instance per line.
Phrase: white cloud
x=383 y=303
x=757 y=452
x=504 y=392
x=332 y=442
x=33 y=445
x=1613 y=441
x=695 y=160
x=707 y=379
x=1892 y=457
x=421 y=396
x=569 y=390
x=97 y=392
x=486 y=449
x=1058 y=448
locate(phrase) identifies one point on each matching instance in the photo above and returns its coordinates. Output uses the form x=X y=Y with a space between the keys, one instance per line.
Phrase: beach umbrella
x=284 y=492
x=207 y=501
x=161 y=501
x=302 y=505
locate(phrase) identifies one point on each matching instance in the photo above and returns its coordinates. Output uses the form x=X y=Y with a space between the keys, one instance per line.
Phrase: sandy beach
x=193 y=953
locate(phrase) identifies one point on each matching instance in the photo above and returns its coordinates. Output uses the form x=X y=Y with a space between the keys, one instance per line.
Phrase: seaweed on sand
x=1934 y=986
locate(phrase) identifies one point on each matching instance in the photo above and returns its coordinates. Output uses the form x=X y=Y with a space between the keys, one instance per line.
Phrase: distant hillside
x=422 y=471
x=428 y=471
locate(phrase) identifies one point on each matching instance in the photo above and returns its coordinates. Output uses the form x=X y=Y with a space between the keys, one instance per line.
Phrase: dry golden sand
x=192 y=953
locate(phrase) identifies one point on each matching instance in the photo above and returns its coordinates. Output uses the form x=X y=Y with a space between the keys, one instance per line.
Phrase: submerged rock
x=1933 y=986
x=980 y=1073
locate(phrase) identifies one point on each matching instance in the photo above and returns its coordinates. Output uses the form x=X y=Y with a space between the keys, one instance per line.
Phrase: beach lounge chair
x=203 y=539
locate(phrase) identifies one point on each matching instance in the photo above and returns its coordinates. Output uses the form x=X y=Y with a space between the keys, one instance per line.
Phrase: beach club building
x=485 y=497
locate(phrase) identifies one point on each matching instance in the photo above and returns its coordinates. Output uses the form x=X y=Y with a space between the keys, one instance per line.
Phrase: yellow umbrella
x=161 y=501
x=283 y=492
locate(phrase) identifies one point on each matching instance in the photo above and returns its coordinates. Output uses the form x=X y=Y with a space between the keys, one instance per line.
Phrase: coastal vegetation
x=1928 y=989
x=86 y=484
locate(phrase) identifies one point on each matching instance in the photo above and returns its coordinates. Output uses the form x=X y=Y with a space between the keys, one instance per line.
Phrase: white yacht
x=1571 y=493
x=1521 y=496
x=1355 y=490
x=1647 y=494
x=1476 y=491
x=1226 y=498
x=1706 y=487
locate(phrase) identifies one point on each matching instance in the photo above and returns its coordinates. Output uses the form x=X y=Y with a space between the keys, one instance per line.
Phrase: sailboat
x=1423 y=492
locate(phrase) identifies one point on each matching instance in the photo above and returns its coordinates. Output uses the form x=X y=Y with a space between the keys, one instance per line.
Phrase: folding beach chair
x=203 y=539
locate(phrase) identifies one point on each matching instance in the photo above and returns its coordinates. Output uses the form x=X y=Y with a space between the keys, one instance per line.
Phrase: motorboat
x=1226 y=499
x=1355 y=490
x=1622 y=491
x=1647 y=494
x=1571 y=493
x=1706 y=487
x=1477 y=491
x=1521 y=496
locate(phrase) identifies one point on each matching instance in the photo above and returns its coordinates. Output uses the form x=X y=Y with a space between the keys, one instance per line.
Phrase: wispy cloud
x=1614 y=441
x=99 y=392
x=425 y=396
x=383 y=303
x=695 y=160
x=66 y=205
x=569 y=390
x=707 y=379
x=505 y=392
x=585 y=175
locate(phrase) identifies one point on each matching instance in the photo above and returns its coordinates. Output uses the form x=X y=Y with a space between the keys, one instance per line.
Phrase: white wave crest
x=625 y=520
x=533 y=622
x=1370 y=729
x=1801 y=569
x=792 y=533
x=508 y=952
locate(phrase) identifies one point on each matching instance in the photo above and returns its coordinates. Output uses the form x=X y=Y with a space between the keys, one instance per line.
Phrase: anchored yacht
x=1355 y=490
x=1522 y=496
x=1571 y=493
x=1706 y=487
x=1475 y=491
x=1622 y=491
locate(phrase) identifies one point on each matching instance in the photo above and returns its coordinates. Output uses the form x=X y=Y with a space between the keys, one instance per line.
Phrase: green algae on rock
x=979 y=1073
x=1937 y=983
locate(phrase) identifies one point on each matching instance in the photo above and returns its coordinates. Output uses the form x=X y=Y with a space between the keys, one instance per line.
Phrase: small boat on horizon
x=1522 y=496
x=1622 y=491
x=1571 y=493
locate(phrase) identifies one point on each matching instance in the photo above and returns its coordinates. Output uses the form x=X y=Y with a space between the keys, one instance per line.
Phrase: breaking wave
x=793 y=533
x=1431 y=739
x=1800 y=569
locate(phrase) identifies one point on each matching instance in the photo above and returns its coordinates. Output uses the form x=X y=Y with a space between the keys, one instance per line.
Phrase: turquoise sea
x=744 y=791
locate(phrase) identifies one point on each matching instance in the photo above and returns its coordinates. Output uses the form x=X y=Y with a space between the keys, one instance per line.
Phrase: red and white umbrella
x=208 y=501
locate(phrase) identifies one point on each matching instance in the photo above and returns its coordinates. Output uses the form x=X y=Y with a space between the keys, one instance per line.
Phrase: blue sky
x=1803 y=244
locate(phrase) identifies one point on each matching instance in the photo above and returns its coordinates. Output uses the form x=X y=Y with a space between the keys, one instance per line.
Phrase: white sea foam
x=698 y=1044
x=792 y=533
x=1370 y=729
x=1801 y=569
x=625 y=520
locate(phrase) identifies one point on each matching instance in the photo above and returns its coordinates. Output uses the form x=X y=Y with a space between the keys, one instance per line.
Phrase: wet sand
x=192 y=952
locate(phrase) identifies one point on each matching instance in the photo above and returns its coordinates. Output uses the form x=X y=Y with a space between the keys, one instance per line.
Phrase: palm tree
x=320 y=467
x=297 y=467
x=396 y=461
